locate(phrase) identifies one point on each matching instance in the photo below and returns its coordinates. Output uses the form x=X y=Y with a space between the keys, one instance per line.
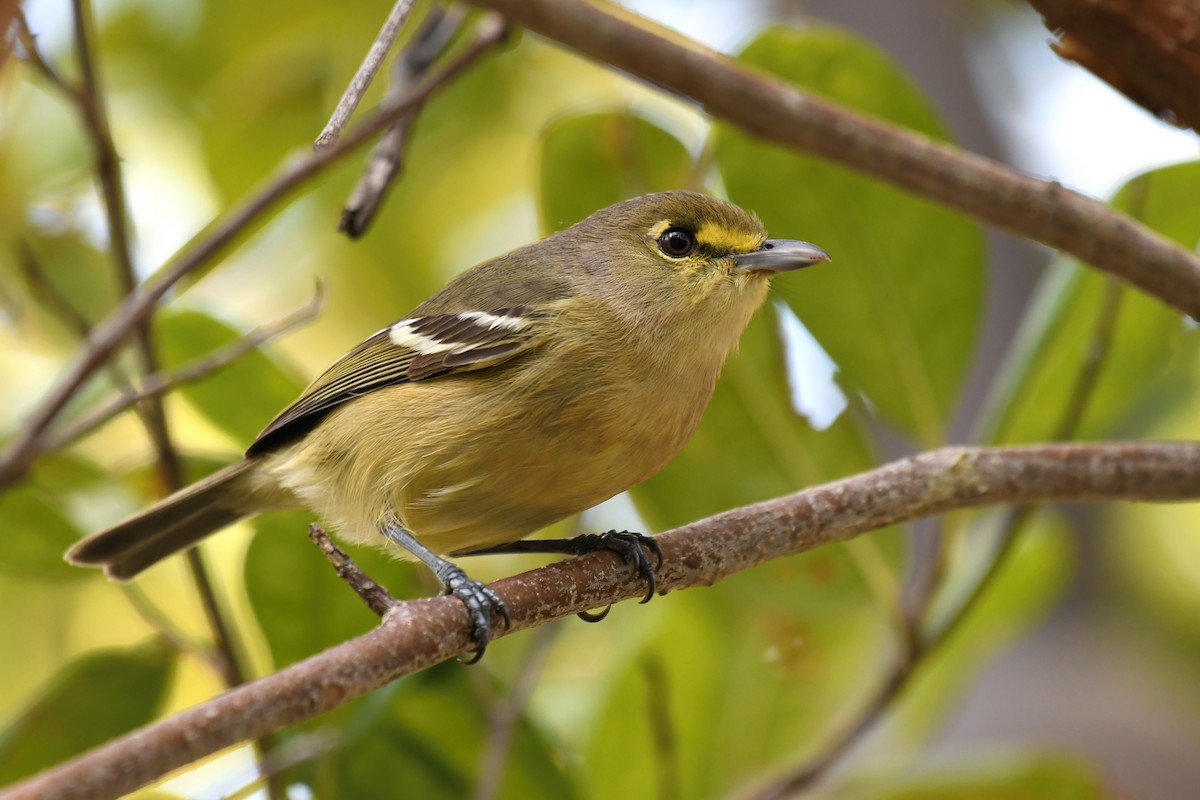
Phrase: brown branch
x=924 y=640
x=377 y=598
x=1149 y=50
x=153 y=414
x=33 y=56
x=112 y=331
x=366 y=73
x=387 y=157
x=164 y=382
x=417 y=634
x=969 y=183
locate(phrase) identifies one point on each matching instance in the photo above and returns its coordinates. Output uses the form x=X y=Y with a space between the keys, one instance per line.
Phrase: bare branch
x=162 y=383
x=366 y=73
x=33 y=56
x=387 y=157
x=377 y=598
x=965 y=182
x=419 y=633
x=111 y=332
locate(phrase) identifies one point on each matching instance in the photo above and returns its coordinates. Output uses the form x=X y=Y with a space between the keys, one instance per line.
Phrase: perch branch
x=778 y=112
x=417 y=634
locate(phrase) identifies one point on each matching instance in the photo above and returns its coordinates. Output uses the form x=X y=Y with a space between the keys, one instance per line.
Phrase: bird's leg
x=481 y=602
x=631 y=547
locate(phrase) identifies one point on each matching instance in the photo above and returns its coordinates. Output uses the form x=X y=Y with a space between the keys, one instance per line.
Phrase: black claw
x=631 y=547
x=588 y=616
x=483 y=605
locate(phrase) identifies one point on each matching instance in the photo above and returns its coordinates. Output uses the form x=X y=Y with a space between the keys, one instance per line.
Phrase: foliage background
x=938 y=334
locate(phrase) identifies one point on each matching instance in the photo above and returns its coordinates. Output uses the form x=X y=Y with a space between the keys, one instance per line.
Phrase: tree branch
x=965 y=182
x=366 y=73
x=164 y=382
x=387 y=157
x=420 y=633
x=112 y=331
x=1149 y=50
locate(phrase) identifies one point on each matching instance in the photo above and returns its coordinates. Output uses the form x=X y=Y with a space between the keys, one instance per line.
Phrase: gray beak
x=781 y=255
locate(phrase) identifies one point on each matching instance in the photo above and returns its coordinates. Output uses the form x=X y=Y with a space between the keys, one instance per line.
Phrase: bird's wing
x=416 y=348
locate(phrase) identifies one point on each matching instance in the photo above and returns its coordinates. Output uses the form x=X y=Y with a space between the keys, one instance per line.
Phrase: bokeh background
x=1074 y=676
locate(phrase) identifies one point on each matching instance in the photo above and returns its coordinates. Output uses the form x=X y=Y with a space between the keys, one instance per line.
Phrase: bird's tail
x=170 y=525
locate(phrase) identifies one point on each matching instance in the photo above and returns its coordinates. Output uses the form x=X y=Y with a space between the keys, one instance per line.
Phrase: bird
x=531 y=387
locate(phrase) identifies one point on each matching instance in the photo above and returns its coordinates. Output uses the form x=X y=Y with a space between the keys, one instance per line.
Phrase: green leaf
x=592 y=161
x=753 y=670
x=36 y=534
x=241 y=397
x=1030 y=583
x=427 y=741
x=90 y=701
x=1057 y=336
x=1026 y=776
x=301 y=604
x=900 y=306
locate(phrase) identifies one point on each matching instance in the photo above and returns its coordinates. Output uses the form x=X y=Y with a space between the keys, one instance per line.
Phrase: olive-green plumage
x=531 y=387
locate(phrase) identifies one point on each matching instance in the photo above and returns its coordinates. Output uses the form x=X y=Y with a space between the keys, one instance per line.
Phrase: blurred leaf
x=91 y=700
x=428 y=740
x=241 y=397
x=301 y=603
x=70 y=267
x=753 y=670
x=595 y=160
x=1029 y=584
x=1028 y=776
x=1058 y=332
x=900 y=307
x=36 y=534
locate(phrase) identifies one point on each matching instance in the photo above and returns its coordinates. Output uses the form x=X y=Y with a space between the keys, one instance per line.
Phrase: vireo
x=530 y=388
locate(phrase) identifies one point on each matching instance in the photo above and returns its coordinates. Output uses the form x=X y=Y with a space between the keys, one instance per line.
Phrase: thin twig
x=377 y=598
x=164 y=382
x=366 y=73
x=33 y=56
x=112 y=331
x=419 y=633
x=777 y=112
x=47 y=292
x=226 y=641
x=387 y=157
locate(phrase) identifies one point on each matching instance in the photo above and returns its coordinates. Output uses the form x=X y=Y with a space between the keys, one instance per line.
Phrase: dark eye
x=677 y=242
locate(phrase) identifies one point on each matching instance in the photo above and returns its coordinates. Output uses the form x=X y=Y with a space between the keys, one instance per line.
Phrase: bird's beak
x=781 y=255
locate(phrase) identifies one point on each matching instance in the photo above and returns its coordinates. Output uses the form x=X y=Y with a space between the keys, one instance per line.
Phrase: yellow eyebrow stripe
x=717 y=237
x=729 y=240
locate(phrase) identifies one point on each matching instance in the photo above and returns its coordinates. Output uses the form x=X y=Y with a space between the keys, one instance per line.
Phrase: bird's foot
x=632 y=548
x=483 y=606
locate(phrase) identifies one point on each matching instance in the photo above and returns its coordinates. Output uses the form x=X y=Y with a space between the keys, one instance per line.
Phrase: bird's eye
x=677 y=242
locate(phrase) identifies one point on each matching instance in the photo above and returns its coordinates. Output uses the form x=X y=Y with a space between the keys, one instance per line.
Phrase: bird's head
x=686 y=248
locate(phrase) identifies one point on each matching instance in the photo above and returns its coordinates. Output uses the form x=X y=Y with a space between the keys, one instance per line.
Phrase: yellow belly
x=482 y=458
x=462 y=465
